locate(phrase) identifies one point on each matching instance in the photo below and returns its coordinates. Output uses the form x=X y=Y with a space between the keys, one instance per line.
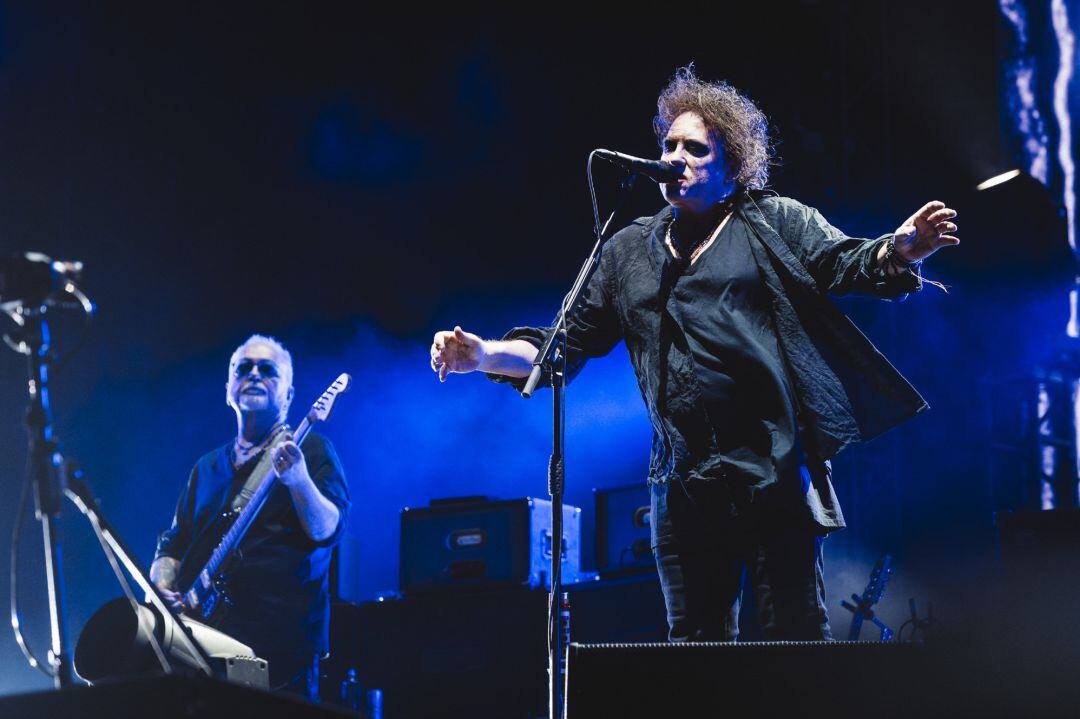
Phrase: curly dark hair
x=736 y=120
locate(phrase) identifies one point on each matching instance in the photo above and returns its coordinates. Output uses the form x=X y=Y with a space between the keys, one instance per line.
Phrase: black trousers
x=703 y=568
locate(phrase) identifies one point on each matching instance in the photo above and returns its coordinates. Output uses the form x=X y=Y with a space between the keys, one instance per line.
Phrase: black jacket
x=846 y=390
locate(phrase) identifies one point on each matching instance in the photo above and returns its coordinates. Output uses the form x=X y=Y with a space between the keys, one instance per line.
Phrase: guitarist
x=278 y=590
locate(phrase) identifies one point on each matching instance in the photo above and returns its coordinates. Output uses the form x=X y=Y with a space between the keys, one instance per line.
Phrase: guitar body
x=206 y=599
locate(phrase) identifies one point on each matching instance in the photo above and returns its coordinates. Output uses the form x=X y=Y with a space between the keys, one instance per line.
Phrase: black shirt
x=280 y=587
x=744 y=390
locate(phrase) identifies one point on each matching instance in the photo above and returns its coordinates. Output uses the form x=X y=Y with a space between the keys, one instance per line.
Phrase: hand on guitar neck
x=289 y=463
x=318 y=515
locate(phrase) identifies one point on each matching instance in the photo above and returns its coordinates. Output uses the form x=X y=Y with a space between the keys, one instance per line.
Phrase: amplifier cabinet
x=485 y=545
x=474 y=655
x=623 y=518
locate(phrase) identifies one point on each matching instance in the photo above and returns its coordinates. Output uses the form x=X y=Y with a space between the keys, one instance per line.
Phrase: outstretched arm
x=840 y=264
x=460 y=351
x=593 y=329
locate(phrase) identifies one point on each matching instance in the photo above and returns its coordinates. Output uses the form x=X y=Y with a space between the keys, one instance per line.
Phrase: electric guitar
x=205 y=598
x=863 y=609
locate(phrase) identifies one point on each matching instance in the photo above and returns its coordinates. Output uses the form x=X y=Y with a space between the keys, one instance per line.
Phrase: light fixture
x=997 y=180
x=116 y=642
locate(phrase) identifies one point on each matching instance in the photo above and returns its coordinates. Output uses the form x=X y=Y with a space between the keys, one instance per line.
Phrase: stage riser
x=160 y=698
x=842 y=679
x=761 y=679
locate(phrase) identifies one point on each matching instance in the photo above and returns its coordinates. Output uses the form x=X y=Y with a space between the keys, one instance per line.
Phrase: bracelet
x=892 y=259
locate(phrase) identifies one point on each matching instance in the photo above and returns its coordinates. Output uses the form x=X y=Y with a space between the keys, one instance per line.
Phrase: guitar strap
x=261 y=470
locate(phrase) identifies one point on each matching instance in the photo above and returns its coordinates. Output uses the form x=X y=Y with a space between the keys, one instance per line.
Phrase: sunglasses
x=266 y=368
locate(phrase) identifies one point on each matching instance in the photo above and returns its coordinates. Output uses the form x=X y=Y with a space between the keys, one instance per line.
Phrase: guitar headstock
x=879 y=577
x=320 y=411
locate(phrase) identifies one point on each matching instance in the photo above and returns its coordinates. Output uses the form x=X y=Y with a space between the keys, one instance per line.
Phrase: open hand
x=925 y=232
x=456 y=351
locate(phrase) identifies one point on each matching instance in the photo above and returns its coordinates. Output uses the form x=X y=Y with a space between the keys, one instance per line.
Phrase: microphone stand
x=551 y=358
x=48 y=487
x=52 y=480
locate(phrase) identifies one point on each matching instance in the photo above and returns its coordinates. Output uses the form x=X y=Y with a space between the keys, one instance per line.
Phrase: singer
x=753 y=379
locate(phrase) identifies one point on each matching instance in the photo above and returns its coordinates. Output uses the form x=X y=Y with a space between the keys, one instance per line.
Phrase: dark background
x=352 y=183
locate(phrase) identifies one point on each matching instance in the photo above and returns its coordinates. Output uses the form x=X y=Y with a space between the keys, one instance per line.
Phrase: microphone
x=655 y=170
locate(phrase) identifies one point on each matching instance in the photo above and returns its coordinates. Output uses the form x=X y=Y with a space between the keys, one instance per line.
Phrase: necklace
x=704 y=244
x=250 y=445
x=242 y=450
